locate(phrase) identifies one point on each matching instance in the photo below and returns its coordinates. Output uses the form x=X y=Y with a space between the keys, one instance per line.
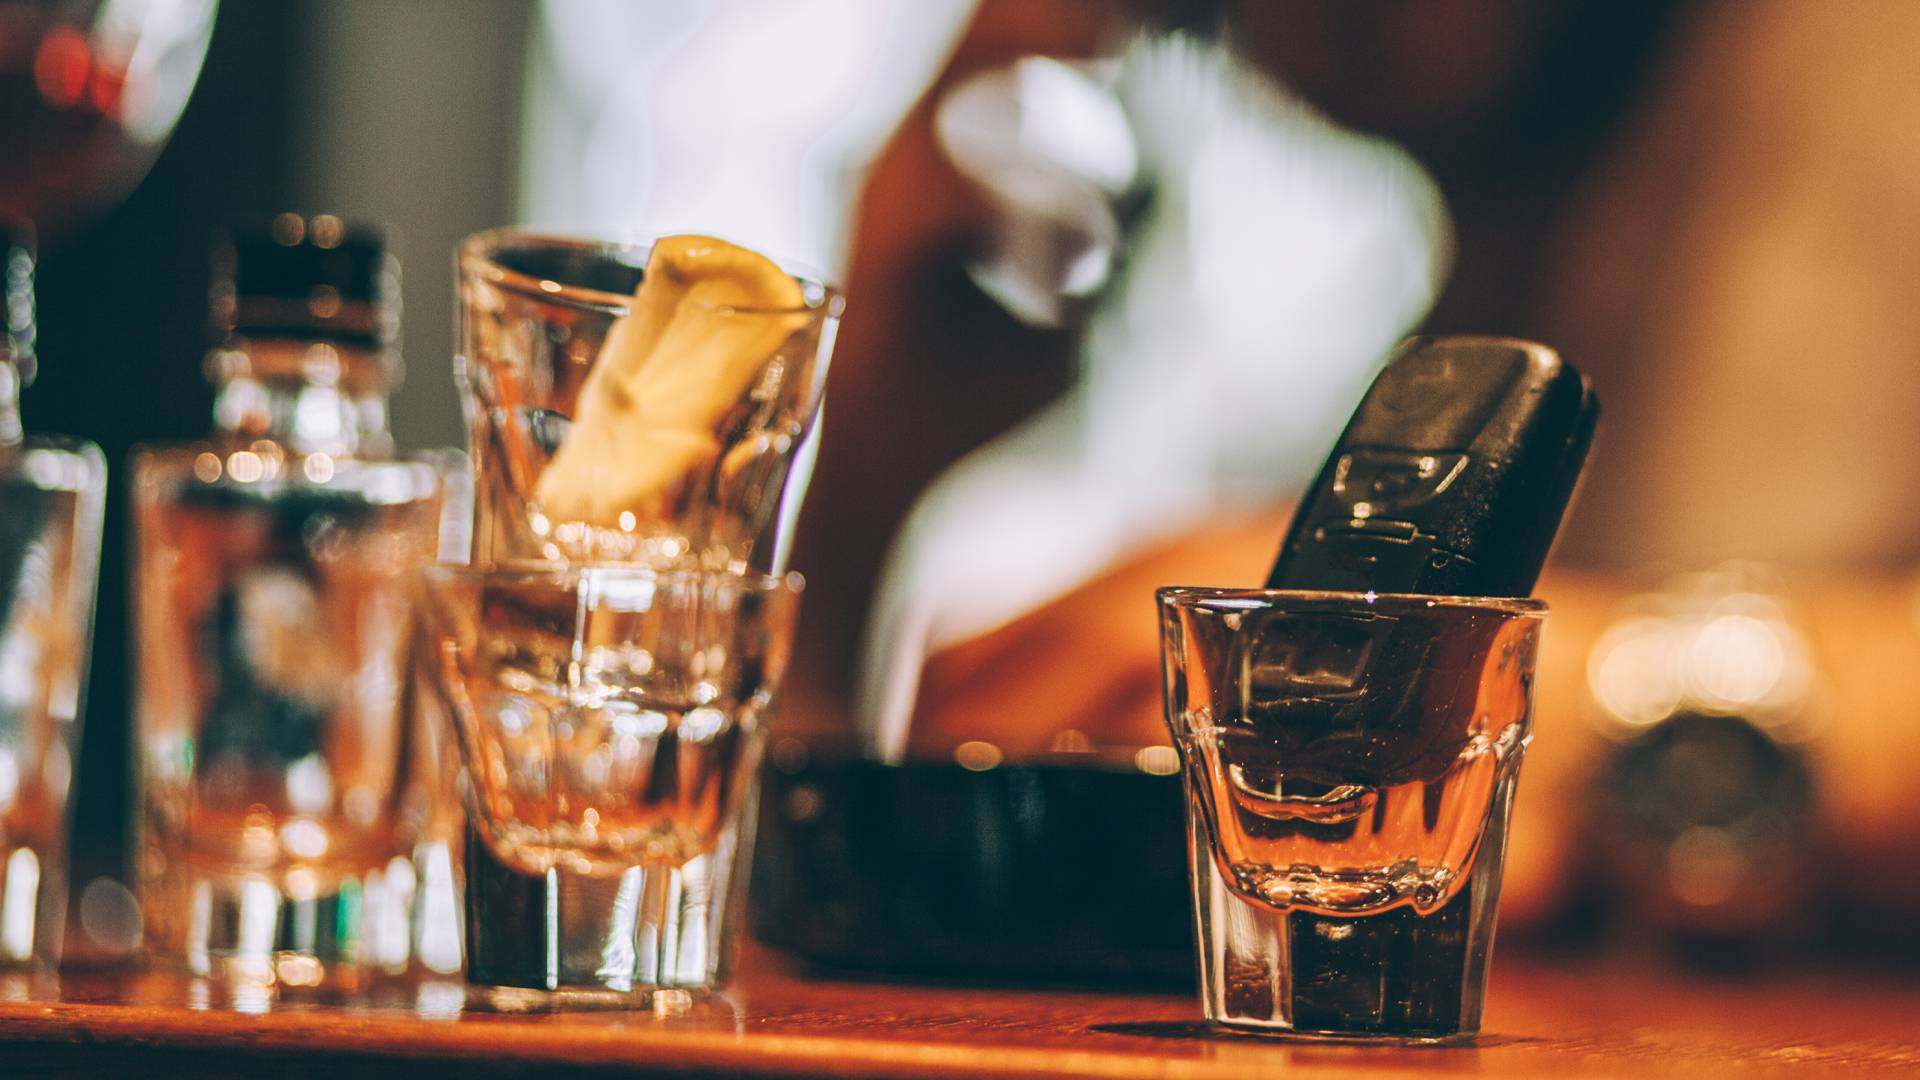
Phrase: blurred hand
x=1088 y=662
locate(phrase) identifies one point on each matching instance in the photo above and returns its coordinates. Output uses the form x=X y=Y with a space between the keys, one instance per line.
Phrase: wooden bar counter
x=1542 y=1019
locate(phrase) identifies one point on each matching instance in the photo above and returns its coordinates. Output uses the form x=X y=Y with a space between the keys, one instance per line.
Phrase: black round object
x=1028 y=873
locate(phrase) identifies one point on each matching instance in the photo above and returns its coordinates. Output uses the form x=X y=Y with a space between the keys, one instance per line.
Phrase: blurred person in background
x=1219 y=242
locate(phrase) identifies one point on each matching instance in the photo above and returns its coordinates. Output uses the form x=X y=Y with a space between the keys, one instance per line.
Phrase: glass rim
x=1228 y=600
x=477 y=254
x=790 y=582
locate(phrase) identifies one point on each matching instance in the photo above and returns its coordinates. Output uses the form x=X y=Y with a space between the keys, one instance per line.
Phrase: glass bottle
x=276 y=569
x=52 y=496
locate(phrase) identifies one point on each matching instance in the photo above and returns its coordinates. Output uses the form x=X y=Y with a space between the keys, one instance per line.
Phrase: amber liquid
x=1353 y=848
x=601 y=734
x=275 y=619
x=41 y=651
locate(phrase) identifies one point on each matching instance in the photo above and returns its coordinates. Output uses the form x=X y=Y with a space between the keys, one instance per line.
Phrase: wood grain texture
x=1542 y=1020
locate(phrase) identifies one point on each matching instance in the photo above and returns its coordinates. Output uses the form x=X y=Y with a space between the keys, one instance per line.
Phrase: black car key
x=1452 y=476
x=1451 y=480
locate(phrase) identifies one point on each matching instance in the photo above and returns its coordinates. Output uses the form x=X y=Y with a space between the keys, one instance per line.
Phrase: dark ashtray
x=1066 y=871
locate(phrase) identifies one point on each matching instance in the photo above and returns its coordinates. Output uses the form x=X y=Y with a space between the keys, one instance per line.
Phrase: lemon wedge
x=706 y=319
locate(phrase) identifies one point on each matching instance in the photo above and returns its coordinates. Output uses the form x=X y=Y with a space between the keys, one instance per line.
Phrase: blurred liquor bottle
x=275 y=579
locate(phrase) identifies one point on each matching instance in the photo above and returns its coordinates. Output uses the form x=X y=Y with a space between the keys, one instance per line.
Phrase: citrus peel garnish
x=705 y=320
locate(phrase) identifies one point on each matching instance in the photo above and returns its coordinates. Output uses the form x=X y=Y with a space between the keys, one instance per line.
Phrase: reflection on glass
x=88 y=92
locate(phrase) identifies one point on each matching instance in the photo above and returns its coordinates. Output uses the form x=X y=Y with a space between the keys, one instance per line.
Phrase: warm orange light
x=61 y=66
x=107 y=86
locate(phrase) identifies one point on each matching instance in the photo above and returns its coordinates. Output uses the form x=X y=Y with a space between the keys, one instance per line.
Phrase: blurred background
x=1117 y=274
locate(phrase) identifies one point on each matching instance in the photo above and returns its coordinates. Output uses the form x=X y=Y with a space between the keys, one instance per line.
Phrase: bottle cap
x=305 y=277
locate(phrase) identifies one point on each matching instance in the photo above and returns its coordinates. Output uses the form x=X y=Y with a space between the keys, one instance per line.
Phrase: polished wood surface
x=1542 y=1019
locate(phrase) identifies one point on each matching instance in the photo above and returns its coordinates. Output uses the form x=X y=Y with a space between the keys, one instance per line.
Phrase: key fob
x=1451 y=478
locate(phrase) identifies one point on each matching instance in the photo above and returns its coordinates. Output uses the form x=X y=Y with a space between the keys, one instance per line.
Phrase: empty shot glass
x=611 y=722
x=697 y=460
x=1350 y=762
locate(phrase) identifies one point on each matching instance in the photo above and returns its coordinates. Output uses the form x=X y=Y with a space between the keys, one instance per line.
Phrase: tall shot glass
x=611 y=657
x=1350 y=762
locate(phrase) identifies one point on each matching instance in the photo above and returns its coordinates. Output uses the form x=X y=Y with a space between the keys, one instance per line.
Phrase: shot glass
x=275 y=611
x=611 y=721
x=535 y=311
x=52 y=496
x=1350 y=761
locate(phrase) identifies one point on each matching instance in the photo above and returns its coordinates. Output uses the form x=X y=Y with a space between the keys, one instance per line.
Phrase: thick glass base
x=663 y=1002
x=18 y=985
x=1348 y=1038
x=653 y=938
x=249 y=932
x=1392 y=976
